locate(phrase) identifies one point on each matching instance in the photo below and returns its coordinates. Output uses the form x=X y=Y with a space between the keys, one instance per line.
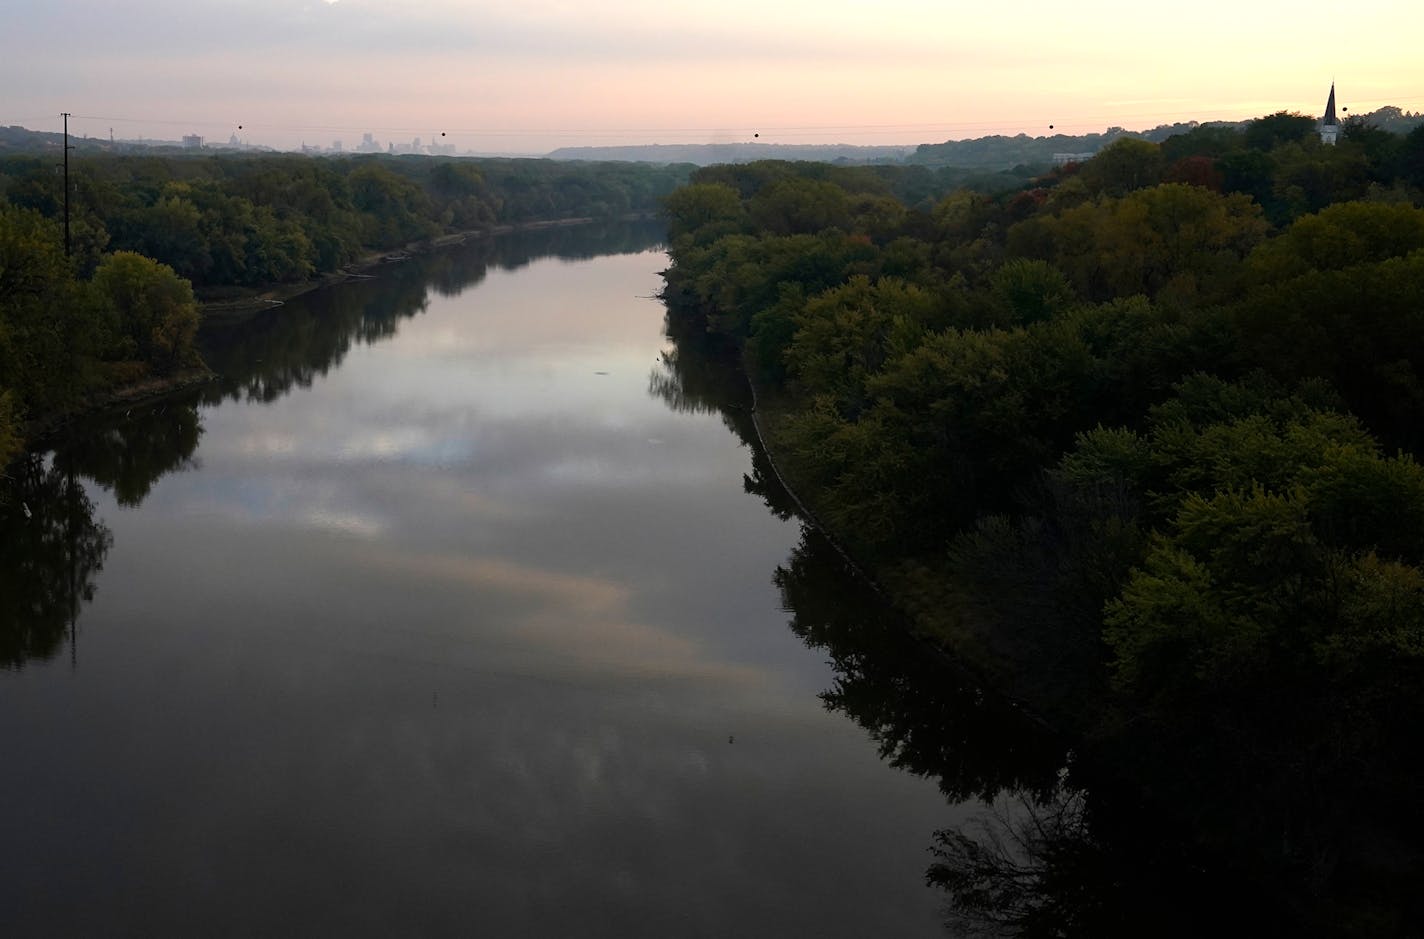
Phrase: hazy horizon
x=544 y=75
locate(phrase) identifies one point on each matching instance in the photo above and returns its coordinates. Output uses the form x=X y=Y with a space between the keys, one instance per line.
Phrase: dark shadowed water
x=447 y=612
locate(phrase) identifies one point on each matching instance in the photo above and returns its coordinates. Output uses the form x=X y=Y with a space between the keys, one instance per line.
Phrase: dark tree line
x=1140 y=438
x=222 y=220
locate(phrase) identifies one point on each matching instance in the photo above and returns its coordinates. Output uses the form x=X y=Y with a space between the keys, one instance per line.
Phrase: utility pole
x=67 y=148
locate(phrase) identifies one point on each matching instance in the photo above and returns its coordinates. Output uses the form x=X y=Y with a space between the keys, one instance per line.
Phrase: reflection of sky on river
x=516 y=448
x=464 y=638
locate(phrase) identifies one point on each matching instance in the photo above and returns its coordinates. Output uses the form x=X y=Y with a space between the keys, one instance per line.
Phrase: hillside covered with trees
x=149 y=232
x=1140 y=440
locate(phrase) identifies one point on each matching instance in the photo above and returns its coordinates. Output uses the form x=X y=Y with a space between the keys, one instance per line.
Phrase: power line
x=67 y=148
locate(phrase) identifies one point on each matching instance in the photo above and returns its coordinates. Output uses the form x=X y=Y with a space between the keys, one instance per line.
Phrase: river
x=458 y=606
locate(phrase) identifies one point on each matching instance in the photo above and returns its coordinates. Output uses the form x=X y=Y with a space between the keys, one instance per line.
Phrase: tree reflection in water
x=51 y=549
x=1001 y=872
x=127 y=455
x=52 y=545
x=1058 y=844
x=291 y=346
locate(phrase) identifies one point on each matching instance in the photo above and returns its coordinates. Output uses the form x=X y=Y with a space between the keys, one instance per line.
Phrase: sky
x=531 y=76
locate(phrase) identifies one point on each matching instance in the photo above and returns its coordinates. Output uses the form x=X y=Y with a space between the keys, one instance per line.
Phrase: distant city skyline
x=532 y=77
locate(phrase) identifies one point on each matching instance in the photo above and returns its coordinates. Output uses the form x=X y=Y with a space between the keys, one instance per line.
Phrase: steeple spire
x=1329 y=126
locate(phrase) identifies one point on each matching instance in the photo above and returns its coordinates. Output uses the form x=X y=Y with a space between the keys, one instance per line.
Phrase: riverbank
x=912 y=590
x=228 y=305
x=148 y=390
x=398 y=533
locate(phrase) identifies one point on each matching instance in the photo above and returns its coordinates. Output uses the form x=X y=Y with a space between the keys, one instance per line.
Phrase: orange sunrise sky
x=533 y=76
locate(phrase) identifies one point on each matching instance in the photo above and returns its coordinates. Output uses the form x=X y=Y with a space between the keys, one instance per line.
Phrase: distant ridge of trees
x=17 y=139
x=709 y=154
x=993 y=152
x=1001 y=152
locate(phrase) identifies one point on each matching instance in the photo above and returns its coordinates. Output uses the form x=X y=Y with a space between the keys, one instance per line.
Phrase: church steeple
x=1329 y=126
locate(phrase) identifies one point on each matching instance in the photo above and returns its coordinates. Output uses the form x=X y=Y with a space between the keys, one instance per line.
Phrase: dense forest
x=1138 y=439
x=150 y=235
x=999 y=152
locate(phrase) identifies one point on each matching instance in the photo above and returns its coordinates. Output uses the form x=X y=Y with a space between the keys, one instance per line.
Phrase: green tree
x=845 y=335
x=1337 y=237
x=47 y=334
x=704 y=211
x=1126 y=164
x=173 y=230
x=1361 y=328
x=1174 y=237
x=1411 y=157
x=1267 y=133
x=11 y=442
x=1208 y=140
x=1031 y=290
x=462 y=190
x=155 y=308
x=395 y=209
x=800 y=207
x=1309 y=176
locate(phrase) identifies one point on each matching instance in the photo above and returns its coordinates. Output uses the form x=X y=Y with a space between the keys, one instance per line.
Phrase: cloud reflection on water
x=400 y=661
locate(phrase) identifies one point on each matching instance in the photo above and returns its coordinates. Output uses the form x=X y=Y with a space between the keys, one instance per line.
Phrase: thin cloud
x=538 y=74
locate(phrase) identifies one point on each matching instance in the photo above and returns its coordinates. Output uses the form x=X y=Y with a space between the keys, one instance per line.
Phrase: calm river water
x=452 y=609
